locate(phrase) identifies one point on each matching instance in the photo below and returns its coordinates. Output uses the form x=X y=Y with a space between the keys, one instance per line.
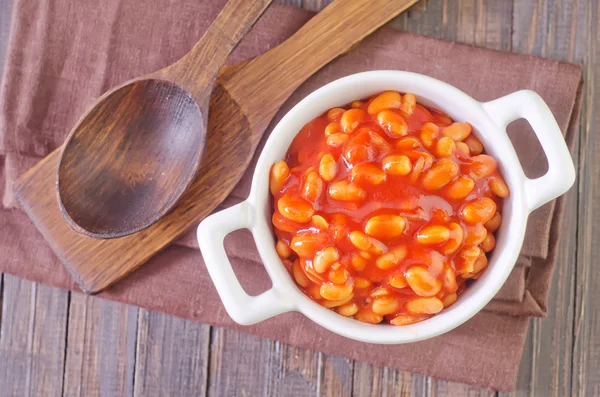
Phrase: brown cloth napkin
x=64 y=55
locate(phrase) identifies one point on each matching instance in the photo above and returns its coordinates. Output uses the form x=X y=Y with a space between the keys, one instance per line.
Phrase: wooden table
x=54 y=342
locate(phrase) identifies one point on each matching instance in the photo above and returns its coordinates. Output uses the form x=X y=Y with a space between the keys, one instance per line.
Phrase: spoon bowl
x=135 y=152
x=130 y=158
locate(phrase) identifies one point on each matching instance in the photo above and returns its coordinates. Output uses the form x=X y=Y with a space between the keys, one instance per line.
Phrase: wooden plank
x=32 y=341
x=552 y=29
x=246 y=365
x=335 y=376
x=101 y=345
x=238 y=364
x=172 y=356
x=372 y=381
x=586 y=354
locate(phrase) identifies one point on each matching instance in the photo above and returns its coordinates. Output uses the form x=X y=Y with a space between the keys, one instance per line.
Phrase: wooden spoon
x=244 y=101
x=133 y=154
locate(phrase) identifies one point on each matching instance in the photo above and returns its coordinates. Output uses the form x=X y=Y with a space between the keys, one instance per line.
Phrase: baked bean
x=498 y=186
x=284 y=224
x=311 y=273
x=381 y=291
x=335 y=292
x=417 y=169
x=299 y=274
x=351 y=119
x=433 y=234
x=480 y=166
x=440 y=174
x=385 y=226
x=366 y=243
x=464 y=261
x=330 y=304
x=306 y=245
x=392 y=258
x=348 y=310
x=493 y=224
x=445 y=147
x=463 y=148
x=314 y=291
x=345 y=191
x=367 y=316
x=449 y=300
x=460 y=188
x=358 y=262
x=283 y=250
x=364 y=146
x=295 y=208
x=398 y=281
x=338 y=274
x=480 y=263
x=424 y=305
x=319 y=222
x=313 y=186
x=328 y=167
x=383 y=101
x=415 y=155
x=442 y=119
x=393 y=123
x=335 y=114
x=457 y=131
x=367 y=173
x=429 y=133
x=475 y=234
x=409 y=102
x=421 y=282
x=361 y=283
x=396 y=165
x=384 y=208
x=454 y=241
x=333 y=128
x=409 y=143
x=385 y=305
x=475 y=146
x=405 y=319
x=488 y=243
x=449 y=282
x=325 y=258
x=479 y=210
x=336 y=140
x=279 y=174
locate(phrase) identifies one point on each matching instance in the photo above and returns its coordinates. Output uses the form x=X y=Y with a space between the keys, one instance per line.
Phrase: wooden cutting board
x=246 y=98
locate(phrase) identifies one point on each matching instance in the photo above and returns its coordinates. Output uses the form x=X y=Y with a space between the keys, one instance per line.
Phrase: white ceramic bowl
x=489 y=121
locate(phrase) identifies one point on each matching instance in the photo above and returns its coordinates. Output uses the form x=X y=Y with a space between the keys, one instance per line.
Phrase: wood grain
x=172 y=356
x=238 y=118
x=32 y=341
x=101 y=344
x=372 y=381
x=586 y=354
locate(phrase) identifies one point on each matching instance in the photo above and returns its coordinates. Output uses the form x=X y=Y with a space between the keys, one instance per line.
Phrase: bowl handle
x=243 y=308
x=561 y=171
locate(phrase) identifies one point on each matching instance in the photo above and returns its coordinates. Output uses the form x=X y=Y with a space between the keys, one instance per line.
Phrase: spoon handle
x=197 y=70
x=328 y=34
